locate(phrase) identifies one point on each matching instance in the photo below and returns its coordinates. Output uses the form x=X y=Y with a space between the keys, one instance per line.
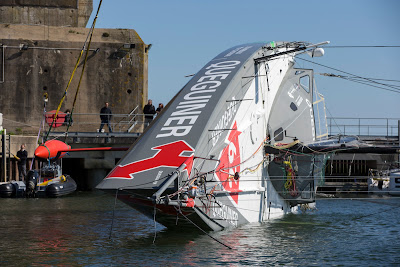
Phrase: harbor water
x=88 y=229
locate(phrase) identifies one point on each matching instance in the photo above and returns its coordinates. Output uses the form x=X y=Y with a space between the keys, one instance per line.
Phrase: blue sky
x=185 y=35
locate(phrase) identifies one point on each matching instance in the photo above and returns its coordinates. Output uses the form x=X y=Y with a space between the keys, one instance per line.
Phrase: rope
x=374 y=213
x=112 y=221
x=65 y=92
x=198 y=227
x=73 y=72
x=83 y=67
x=155 y=224
x=37 y=141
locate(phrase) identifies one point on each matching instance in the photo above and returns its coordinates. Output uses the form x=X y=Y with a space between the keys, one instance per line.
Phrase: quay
x=349 y=173
x=87 y=168
x=43 y=44
x=42 y=41
x=344 y=173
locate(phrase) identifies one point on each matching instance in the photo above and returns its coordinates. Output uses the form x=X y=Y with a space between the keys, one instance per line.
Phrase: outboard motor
x=31 y=182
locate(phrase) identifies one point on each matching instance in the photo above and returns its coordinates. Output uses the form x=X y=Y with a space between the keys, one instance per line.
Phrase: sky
x=185 y=35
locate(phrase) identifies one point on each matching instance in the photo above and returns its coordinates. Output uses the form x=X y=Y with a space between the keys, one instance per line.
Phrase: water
x=75 y=231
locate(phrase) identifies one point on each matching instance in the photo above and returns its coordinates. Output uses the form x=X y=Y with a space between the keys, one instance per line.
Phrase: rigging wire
x=336 y=124
x=397 y=81
x=393 y=88
x=355 y=78
x=396 y=90
x=364 y=79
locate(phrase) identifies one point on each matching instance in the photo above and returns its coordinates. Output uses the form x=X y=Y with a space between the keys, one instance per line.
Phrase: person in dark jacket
x=148 y=112
x=68 y=119
x=160 y=108
x=105 y=116
x=22 y=156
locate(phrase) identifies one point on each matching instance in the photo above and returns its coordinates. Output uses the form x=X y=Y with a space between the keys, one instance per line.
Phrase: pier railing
x=132 y=122
x=383 y=127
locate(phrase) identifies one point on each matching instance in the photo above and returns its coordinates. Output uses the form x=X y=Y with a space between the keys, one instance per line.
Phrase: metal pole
x=9 y=157
x=387 y=128
x=4 y=155
x=398 y=138
x=2 y=67
x=156 y=195
x=398 y=132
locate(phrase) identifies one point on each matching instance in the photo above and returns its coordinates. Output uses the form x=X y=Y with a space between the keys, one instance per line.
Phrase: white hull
x=215 y=133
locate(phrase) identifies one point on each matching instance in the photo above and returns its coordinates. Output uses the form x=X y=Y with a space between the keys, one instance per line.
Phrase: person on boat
x=68 y=119
x=160 y=108
x=148 y=111
x=22 y=156
x=105 y=116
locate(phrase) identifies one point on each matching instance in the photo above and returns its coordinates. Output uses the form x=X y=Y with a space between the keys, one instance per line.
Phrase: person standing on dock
x=148 y=111
x=68 y=119
x=105 y=116
x=160 y=108
x=22 y=156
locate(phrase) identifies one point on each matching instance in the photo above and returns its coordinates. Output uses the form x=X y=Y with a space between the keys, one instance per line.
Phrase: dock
x=343 y=173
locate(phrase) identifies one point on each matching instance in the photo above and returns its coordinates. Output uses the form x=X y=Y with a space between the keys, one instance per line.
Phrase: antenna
x=301 y=48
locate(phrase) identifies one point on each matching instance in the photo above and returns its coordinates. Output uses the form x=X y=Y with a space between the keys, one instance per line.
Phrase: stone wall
x=73 y=13
x=40 y=59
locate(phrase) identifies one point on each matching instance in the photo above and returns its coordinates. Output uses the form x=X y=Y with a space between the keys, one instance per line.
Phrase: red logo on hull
x=230 y=164
x=168 y=155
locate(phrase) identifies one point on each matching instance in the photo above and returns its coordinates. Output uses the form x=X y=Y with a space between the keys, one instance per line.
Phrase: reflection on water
x=76 y=231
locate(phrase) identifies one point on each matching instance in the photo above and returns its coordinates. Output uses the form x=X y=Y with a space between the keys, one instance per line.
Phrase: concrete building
x=72 y=13
x=39 y=58
x=40 y=42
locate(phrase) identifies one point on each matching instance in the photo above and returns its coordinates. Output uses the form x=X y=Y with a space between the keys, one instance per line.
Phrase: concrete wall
x=73 y=13
x=88 y=169
x=113 y=73
x=13 y=144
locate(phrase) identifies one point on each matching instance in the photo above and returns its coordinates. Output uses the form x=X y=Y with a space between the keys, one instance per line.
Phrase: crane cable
x=83 y=69
x=65 y=92
x=73 y=72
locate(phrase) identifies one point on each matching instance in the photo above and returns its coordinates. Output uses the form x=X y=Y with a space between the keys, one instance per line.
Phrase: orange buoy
x=49 y=149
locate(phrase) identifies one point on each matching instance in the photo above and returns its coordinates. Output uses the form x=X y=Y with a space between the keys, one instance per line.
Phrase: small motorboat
x=378 y=181
x=47 y=182
x=384 y=181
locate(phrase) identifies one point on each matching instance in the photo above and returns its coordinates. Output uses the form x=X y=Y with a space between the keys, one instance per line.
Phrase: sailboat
x=217 y=157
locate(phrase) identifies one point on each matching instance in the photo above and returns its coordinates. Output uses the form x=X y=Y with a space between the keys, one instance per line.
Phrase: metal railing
x=135 y=122
x=130 y=119
x=90 y=122
x=388 y=127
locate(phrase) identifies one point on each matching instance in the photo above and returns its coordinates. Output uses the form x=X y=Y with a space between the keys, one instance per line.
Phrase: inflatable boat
x=47 y=182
